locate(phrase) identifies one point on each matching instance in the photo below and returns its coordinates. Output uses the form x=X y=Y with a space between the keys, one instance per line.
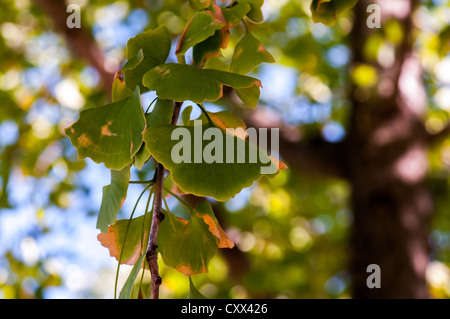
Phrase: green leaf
x=250 y=96
x=113 y=239
x=145 y=51
x=119 y=89
x=186 y=115
x=236 y=13
x=208 y=48
x=110 y=134
x=217 y=63
x=193 y=292
x=141 y=157
x=255 y=12
x=217 y=179
x=161 y=114
x=198 y=5
x=187 y=246
x=248 y=54
x=125 y=293
x=326 y=11
x=225 y=119
x=181 y=82
x=202 y=26
x=113 y=197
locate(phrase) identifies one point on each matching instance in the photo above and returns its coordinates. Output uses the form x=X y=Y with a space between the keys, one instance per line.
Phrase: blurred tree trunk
x=386 y=164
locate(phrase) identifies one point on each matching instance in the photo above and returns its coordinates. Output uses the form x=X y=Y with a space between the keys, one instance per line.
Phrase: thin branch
x=157 y=218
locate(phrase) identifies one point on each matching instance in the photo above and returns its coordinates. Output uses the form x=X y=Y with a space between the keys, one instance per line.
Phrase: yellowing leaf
x=187 y=246
x=110 y=134
x=204 y=210
x=113 y=239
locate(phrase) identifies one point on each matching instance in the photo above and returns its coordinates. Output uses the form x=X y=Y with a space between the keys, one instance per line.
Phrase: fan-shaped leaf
x=248 y=54
x=204 y=210
x=181 y=82
x=110 y=134
x=236 y=13
x=255 y=12
x=193 y=292
x=113 y=239
x=197 y=171
x=200 y=4
x=145 y=51
x=187 y=246
x=202 y=26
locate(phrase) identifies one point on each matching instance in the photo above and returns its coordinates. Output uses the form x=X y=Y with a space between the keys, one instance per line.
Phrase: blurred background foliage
x=292 y=231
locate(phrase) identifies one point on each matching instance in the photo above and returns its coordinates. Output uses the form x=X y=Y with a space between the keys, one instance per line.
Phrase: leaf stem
x=125 y=238
x=148 y=108
x=186 y=205
x=206 y=113
x=141 y=182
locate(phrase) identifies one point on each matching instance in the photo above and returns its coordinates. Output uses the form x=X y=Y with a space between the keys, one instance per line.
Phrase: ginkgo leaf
x=248 y=54
x=161 y=114
x=193 y=292
x=202 y=26
x=125 y=293
x=208 y=48
x=205 y=211
x=186 y=115
x=119 y=89
x=113 y=197
x=145 y=51
x=255 y=12
x=326 y=11
x=110 y=134
x=236 y=13
x=186 y=245
x=200 y=4
x=113 y=239
x=181 y=82
x=198 y=171
x=250 y=96
x=223 y=120
x=141 y=157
